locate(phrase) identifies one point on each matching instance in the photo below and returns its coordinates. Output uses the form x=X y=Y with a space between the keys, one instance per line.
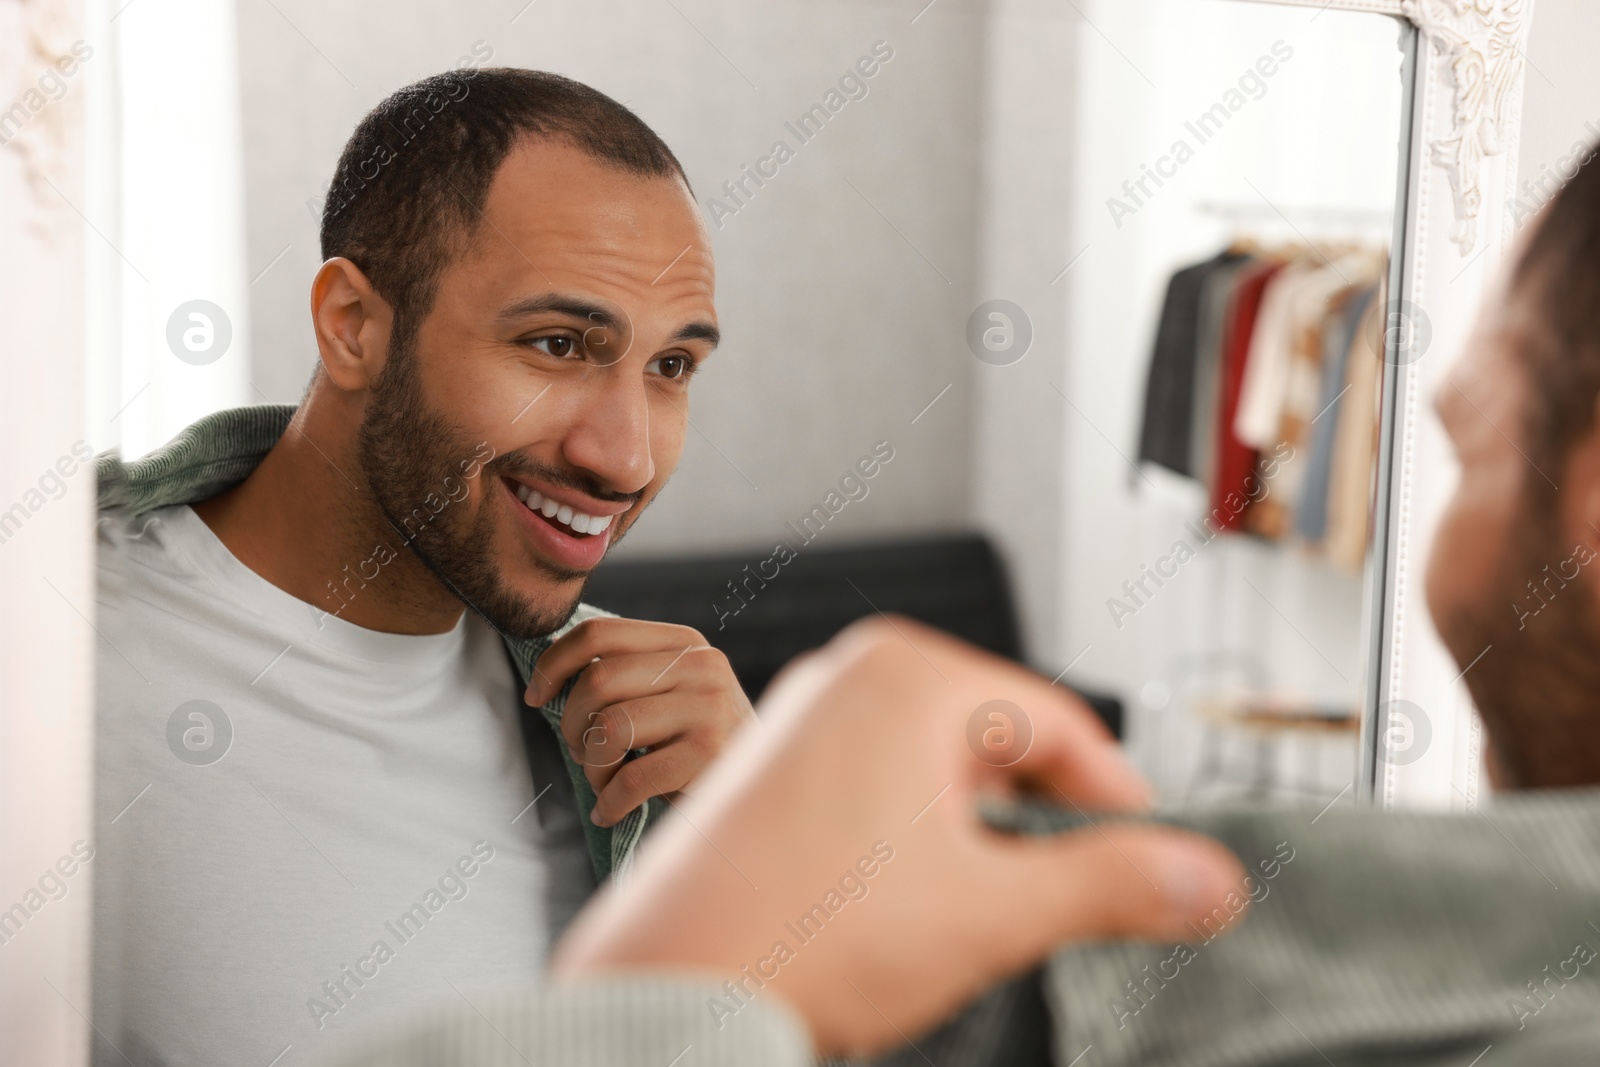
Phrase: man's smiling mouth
x=562 y=516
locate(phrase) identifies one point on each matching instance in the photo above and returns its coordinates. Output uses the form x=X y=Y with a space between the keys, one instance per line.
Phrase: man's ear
x=353 y=324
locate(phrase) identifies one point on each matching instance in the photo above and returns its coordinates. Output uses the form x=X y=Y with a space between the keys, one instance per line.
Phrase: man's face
x=556 y=357
x=1481 y=408
x=1508 y=587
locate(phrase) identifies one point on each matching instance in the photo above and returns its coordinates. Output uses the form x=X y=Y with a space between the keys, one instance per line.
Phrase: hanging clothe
x=1311 y=307
x=1338 y=336
x=1355 y=446
x=1268 y=361
x=1215 y=296
x=1167 y=433
x=1261 y=393
x=1235 y=460
x=1300 y=307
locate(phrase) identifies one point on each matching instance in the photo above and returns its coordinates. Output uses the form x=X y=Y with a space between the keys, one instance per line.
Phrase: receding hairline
x=532 y=143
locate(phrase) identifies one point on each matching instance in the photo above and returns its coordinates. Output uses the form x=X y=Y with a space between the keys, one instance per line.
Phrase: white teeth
x=579 y=522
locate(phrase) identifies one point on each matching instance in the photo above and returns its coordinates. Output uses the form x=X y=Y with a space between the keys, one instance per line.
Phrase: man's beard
x=410 y=455
x=1538 y=685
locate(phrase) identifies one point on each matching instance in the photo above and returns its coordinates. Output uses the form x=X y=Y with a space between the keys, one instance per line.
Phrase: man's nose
x=610 y=436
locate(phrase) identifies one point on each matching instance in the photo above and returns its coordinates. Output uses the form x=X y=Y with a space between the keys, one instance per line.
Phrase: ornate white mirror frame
x=1421 y=740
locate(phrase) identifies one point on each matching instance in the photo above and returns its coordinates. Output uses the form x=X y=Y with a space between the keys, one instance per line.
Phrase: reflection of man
x=1510 y=578
x=321 y=795
x=1375 y=940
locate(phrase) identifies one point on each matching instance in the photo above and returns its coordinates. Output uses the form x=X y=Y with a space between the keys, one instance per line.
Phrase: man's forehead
x=560 y=209
x=1490 y=367
x=1484 y=388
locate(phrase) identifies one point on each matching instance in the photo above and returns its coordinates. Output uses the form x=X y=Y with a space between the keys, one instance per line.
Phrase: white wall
x=166 y=193
x=837 y=332
x=1019 y=444
x=1562 y=86
x=47 y=603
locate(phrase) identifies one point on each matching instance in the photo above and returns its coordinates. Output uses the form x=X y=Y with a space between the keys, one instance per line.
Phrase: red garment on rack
x=1235 y=460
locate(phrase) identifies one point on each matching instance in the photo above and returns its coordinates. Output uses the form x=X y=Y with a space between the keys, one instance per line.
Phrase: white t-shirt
x=302 y=825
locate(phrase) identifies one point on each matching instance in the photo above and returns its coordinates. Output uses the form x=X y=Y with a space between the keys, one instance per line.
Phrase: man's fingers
x=1018 y=726
x=1060 y=749
x=593 y=638
x=630 y=677
x=666 y=770
x=1142 y=882
x=613 y=731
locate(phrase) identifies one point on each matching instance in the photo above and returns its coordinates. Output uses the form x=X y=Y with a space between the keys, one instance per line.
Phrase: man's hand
x=643 y=685
x=867 y=750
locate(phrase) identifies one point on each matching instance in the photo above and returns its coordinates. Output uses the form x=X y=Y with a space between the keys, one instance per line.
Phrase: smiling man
x=359 y=741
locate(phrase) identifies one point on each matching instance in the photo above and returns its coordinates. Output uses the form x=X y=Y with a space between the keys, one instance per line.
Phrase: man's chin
x=539 y=601
x=546 y=580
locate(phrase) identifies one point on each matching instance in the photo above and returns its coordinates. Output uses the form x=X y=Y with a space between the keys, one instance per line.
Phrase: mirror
x=1223 y=385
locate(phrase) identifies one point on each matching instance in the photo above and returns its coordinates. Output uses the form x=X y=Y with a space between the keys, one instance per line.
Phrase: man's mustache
x=512 y=463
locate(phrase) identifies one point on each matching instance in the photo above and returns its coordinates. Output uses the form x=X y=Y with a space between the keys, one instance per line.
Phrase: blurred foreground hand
x=833 y=856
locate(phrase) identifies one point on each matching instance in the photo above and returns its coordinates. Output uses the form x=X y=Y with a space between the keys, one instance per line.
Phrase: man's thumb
x=1138 y=882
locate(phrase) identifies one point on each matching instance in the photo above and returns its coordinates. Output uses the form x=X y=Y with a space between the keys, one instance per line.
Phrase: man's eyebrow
x=599 y=315
x=575 y=306
x=698 y=331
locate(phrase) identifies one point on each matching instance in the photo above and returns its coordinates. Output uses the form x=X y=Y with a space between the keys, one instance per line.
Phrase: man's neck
x=306 y=522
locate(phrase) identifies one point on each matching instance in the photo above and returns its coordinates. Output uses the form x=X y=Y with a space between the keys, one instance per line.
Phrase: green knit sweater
x=1375 y=939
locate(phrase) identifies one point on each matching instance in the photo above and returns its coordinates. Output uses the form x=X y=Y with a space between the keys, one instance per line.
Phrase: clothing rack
x=1256 y=346
x=1257 y=210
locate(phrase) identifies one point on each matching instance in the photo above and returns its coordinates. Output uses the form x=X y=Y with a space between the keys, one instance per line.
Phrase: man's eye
x=558 y=345
x=673 y=368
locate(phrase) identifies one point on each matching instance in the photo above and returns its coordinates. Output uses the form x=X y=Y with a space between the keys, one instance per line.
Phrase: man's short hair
x=1555 y=301
x=408 y=193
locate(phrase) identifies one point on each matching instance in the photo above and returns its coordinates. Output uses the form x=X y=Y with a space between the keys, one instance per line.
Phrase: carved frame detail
x=1477 y=40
